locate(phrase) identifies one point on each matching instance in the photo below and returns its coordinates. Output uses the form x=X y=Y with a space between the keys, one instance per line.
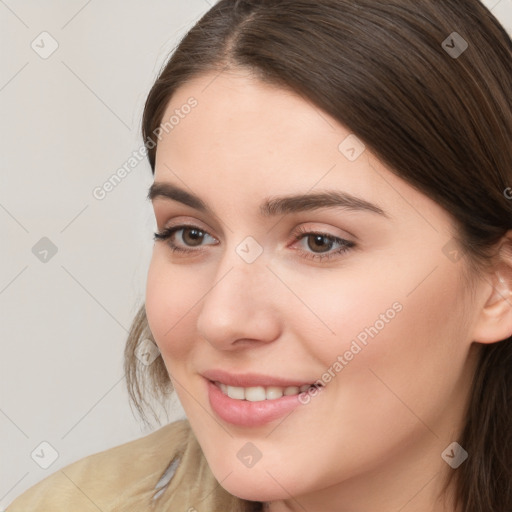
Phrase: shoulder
x=111 y=479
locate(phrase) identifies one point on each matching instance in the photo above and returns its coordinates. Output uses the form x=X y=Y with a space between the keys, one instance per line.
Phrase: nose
x=241 y=308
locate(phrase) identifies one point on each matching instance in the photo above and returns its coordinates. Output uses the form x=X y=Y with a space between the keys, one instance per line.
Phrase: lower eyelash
x=346 y=245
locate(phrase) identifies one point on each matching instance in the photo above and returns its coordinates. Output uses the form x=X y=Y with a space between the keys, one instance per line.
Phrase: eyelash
x=300 y=234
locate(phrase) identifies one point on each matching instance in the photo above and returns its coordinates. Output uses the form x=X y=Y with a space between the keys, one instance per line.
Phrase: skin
x=373 y=438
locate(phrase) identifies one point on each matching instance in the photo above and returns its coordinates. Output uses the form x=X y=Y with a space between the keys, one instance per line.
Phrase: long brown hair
x=435 y=106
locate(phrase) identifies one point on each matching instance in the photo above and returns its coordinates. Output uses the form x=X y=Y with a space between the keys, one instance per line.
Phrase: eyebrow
x=274 y=206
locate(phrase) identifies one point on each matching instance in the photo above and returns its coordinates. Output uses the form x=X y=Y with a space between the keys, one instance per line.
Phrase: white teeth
x=259 y=393
x=235 y=392
x=273 y=393
x=292 y=390
x=256 y=394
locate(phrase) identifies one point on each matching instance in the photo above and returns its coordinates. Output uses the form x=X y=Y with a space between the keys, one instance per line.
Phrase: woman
x=331 y=278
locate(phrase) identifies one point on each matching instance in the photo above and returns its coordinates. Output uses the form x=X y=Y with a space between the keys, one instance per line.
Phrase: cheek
x=172 y=292
x=380 y=336
x=331 y=313
x=399 y=354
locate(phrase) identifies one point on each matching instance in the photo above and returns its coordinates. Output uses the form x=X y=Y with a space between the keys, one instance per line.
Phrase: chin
x=265 y=481
x=251 y=489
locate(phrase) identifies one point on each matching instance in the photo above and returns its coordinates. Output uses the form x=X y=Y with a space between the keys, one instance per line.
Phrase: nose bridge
x=242 y=271
x=237 y=284
x=233 y=278
x=238 y=305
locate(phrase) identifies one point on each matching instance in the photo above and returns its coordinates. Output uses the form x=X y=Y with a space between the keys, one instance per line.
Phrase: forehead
x=236 y=108
x=256 y=139
x=242 y=124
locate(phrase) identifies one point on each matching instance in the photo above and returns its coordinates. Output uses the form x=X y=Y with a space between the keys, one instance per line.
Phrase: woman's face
x=361 y=292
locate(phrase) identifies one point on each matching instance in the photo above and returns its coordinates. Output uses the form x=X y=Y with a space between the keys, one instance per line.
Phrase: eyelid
x=331 y=231
x=196 y=223
x=167 y=216
x=303 y=229
x=303 y=232
x=169 y=231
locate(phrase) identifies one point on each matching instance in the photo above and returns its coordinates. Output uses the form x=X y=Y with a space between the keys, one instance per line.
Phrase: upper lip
x=246 y=380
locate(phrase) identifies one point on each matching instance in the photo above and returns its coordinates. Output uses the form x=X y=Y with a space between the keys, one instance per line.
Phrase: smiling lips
x=247 y=380
x=260 y=393
x=252 y=400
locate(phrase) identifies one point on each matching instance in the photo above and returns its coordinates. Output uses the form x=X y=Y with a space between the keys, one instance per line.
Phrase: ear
x=495 y=317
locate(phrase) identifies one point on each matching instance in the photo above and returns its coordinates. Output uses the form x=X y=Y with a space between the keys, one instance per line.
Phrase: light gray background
x=68 y=122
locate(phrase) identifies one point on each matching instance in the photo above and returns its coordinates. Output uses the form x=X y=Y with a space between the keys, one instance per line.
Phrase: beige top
x=147 y=474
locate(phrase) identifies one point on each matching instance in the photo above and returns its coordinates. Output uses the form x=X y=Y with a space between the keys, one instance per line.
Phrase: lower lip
x=249 y=414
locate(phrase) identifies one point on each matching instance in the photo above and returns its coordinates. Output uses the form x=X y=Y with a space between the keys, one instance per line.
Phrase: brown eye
x=183 y=239
x=319 y=243
x=318 y=246
x=194 y=237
